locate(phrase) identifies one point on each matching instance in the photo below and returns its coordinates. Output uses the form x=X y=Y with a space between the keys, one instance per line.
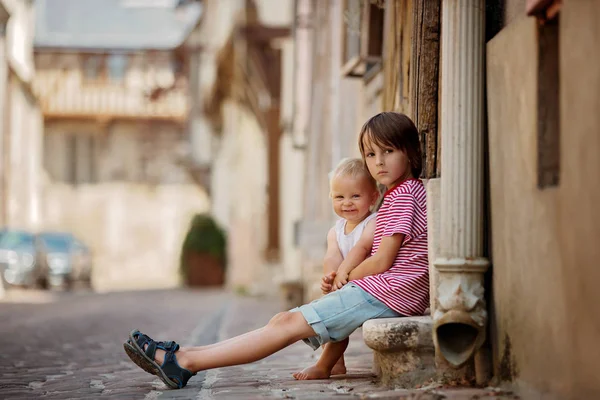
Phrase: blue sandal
x=169 y=372
x=136 y=342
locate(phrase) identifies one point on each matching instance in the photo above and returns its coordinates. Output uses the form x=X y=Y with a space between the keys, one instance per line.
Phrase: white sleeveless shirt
x=346 y=242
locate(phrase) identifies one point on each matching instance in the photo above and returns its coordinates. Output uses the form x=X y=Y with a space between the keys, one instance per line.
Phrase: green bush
x=204 y=236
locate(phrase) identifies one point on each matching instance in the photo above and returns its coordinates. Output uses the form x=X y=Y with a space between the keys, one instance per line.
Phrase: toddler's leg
x=340 y=367
x=323 y=368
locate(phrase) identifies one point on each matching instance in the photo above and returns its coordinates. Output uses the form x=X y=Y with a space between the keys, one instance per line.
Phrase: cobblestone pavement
x=69 y=346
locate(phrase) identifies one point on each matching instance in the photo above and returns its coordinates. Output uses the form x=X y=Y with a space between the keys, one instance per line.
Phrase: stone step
x=403 y=348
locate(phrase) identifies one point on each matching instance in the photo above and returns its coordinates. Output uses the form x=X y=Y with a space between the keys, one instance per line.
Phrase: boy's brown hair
x=396 y=130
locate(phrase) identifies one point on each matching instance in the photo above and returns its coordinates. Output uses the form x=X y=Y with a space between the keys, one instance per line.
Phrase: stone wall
x=135 y=231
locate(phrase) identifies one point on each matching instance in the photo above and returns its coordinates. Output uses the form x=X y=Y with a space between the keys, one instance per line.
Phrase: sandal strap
x=174 y=372
x=142 y=339
x=169 y=346
x=151 y=349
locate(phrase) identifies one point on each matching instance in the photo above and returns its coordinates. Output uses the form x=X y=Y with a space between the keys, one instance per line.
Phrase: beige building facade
x=345 y=44
x=235 y=122
x=520 y=248
x=507 y=127
x=21 y=147
x=115 y=145
x=4 y=16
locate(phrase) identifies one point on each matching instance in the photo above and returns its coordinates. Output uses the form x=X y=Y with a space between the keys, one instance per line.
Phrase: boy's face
x=388 y=166
x=352 y=197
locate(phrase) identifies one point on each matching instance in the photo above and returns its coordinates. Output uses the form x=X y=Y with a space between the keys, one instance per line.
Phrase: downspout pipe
x=460 y=316
x=459 y=311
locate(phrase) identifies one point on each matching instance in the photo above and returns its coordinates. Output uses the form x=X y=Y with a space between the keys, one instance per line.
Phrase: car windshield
x=56 y=241
x=14 y=239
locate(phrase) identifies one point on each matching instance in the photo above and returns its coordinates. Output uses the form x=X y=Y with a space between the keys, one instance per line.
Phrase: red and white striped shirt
x=405 y=286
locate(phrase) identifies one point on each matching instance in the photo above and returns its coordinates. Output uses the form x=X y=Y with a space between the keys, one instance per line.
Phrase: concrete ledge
x=404 y=352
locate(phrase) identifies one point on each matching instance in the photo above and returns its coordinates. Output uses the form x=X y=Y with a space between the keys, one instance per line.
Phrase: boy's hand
x=327 y=282
x=340 y=280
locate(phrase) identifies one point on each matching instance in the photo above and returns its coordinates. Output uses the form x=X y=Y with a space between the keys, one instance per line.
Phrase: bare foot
x=312 y=372
x=339 y=368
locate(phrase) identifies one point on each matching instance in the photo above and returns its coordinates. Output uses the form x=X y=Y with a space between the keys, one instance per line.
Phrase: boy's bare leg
x=324 y=366
x=226 y=341
x=283 y=329
x=338 y=369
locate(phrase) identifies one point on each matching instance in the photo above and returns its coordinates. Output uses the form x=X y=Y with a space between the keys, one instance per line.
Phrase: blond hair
x=353 y=167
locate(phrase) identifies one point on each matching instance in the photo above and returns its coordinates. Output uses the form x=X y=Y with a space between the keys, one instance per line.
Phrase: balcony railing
x=62 y=97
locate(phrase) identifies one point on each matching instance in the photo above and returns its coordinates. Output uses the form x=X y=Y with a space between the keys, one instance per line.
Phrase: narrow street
x=69 y=346
x=72 y=346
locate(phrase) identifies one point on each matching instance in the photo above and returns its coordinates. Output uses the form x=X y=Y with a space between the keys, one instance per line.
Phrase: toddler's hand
x=340 y=280
x=326 y=282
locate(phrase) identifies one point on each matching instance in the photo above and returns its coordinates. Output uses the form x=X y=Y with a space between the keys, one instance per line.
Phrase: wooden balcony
x=61 y=97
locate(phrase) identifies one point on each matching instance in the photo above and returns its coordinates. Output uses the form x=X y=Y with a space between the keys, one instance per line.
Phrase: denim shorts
x=336 y=315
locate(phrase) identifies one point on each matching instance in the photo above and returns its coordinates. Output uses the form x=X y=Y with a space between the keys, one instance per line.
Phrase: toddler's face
x=352 y=197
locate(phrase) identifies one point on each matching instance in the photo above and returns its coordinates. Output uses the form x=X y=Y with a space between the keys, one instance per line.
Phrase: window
x=352 y=19
x=363 y=37
x=177 y=64
x=71 y=151
x=92 y=67
x=117 y=67
x=80 y=152
x=548 y=135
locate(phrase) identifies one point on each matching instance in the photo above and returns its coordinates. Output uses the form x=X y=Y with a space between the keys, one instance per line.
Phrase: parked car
x=18 y=265
x=64 y=259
